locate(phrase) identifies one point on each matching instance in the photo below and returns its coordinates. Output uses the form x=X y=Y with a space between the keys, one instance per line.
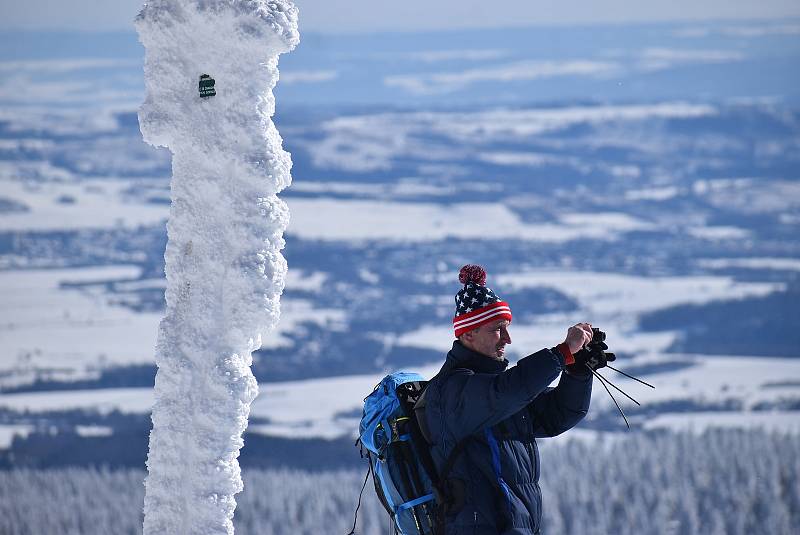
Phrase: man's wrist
x=563 y=348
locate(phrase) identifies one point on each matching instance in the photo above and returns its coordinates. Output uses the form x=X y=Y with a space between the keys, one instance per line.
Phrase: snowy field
x=60 y=324
x=706 y=392
x=86 y=333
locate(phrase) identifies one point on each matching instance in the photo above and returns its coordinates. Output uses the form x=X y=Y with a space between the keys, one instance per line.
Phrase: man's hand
x=578 y=336
x=594 y=356
x=588 y=355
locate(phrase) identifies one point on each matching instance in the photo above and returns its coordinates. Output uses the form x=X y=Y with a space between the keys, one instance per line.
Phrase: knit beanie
x=475 y=303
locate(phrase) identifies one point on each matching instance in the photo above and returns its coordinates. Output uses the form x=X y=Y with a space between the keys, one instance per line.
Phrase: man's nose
x=506 y=336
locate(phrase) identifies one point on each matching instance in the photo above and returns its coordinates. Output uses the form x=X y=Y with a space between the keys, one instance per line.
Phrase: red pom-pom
x=472 y=273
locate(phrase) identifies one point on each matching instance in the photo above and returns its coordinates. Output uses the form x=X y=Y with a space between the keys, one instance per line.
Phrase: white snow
x=370 y=142
x=395 y=190
x=435 y=56
x=657 y=58
x=448 y=82
x=294 y=312
x=88 y=330
x=308 y=77
x=100 y=400
x=750 y=195
x=60 y=121
x=84 y=331
x=733 y=386
x=79 y=84
x=9 y=431
x=60 y=66
x=652 y=194
x=522 y=159
x=611 y=301
x=225 y=272
x=290 y=408
x=751 y=380
x=749 y=29
x=520 y=122
x=337 y=219
x=311 y=408
x=630 y=294
x=752 y=30
x=330 y=407
x=59 y=205
x=778 y=264
x=94 y=430
x=781 y=421
x=306 y=281
x=714 y=233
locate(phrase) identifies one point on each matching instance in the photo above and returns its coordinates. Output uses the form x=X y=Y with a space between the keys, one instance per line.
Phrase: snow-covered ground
x=322 y=219
x=53 y=328
x=87 y=333
x=741 y=391
x=94 y=204
x=75 y=205
x=68 y=332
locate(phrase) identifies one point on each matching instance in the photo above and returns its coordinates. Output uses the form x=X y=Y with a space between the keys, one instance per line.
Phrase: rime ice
x=224 y=268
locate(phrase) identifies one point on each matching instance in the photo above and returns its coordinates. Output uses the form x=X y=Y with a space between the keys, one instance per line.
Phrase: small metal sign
x=207 y=86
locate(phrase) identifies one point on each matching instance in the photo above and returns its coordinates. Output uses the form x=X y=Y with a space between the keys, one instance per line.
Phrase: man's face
x=489 y=339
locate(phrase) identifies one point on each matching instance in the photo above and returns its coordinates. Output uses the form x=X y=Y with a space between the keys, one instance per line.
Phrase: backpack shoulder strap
x=452 y=457
x=449 y=494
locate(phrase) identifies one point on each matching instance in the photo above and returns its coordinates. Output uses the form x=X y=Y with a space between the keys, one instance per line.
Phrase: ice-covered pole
x=210 y=66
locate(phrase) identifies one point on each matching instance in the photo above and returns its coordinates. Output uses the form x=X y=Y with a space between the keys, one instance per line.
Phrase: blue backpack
x=387 y=433
x=400 y=461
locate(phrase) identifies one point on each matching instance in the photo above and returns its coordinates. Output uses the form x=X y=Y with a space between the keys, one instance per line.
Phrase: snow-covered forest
x=719 y=482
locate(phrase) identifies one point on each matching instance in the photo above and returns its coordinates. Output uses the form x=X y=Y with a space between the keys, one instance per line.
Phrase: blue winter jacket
x=503 y=411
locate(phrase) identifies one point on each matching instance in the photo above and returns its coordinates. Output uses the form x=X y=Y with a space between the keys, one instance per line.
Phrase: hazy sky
x=347 y=16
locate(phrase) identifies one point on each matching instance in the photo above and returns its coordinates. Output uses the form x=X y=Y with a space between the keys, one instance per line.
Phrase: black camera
x=594 y=354
x=598 y=337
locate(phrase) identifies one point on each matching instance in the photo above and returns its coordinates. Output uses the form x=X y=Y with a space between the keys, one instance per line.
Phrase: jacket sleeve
x=561 y=408
x=473 y=401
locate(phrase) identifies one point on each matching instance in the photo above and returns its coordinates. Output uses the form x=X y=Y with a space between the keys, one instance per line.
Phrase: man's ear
x=468 y=336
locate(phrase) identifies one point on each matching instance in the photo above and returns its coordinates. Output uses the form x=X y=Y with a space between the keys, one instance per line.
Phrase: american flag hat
x=475 y=303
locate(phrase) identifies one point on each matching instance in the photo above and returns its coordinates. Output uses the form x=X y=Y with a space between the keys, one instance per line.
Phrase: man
x=482 y=418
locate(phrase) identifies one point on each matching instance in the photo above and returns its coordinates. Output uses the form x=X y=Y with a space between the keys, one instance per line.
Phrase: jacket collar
x=463 y=357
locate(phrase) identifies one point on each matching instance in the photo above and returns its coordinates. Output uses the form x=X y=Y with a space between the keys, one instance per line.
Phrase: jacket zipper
x=534 y=461
x=528 y=446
